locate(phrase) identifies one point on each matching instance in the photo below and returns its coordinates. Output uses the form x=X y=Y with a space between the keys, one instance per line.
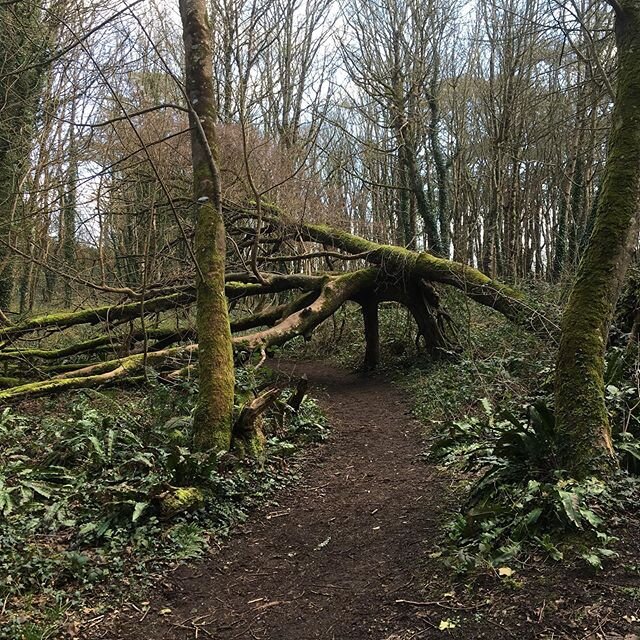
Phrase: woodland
x=319 y=319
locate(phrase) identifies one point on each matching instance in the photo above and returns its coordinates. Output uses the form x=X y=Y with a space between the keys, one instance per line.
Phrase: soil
x=351 y=553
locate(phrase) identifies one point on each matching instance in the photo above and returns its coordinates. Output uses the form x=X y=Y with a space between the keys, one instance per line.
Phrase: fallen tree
x=406 y=264
x=302 y=290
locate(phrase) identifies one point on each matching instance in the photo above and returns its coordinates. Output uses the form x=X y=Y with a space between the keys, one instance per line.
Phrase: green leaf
x=97 y=446
x=39 y=488
x=446 y=624
x=488 y=409
x=111 y=438
x=594 y=520
x=87 y=528
x=6 y=503
x=138 y=509
x=593 y=560
x=571 y=506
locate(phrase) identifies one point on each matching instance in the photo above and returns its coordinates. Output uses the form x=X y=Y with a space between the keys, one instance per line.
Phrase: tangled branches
x=313 y=270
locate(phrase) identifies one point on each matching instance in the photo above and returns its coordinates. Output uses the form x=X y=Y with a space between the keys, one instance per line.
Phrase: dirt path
x=341 y=548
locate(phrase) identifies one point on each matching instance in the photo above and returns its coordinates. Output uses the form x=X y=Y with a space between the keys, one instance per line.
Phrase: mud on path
x=342 y=546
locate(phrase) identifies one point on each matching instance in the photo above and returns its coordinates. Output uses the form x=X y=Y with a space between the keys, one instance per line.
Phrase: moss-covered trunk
x=213 y=415
x=23 y=44
x=582 y=422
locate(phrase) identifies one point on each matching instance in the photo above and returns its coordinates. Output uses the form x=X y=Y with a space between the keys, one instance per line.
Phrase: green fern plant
x=519 y=497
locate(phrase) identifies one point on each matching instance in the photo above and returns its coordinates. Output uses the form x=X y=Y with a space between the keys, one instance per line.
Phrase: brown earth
x=345 y=555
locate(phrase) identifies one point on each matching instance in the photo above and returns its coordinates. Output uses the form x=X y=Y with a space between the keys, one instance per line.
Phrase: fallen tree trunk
x=164 y=337
x=473 y=283
x=390 y=274
x=336 y=291
x=118 y=313
x=103 y=373
x=413 y=265
x=298 y=318
x=110 y=313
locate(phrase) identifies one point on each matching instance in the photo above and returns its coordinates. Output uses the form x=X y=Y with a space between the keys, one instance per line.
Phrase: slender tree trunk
x=371 y=333
x=23 y=41
x=212 y=420
x=68 y=227
x=442 y=173
x=426 y=212
x=560 y=239
x=582 y=421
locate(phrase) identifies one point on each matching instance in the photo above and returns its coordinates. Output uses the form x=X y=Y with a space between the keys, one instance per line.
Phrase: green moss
x=241 y=288
x=582 y=420
x=43 y=388
x=97 y=314
x=474 y=283
x=251 y=445
x=212 y=418
x=180 y=500
x=210 y=433
x=98 y=374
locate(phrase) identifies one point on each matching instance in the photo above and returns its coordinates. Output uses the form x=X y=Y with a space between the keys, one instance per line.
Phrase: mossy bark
x=24 y=38
x=180 y=500
x=336 y=291
x=212 y=421
x=107 y=313
x=118 y=343
x=118 y=313
x=248 y=437
x=102 y=373
x=582 y=421
x=475 y=284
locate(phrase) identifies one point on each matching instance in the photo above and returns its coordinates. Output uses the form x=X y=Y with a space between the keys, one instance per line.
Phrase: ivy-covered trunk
x=213 y=415
x=582 y=421
x=24 y=38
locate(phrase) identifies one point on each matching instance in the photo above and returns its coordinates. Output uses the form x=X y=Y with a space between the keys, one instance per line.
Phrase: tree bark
x=371 y=333
x=475 y=284
x=582 y=421
x=212 y=421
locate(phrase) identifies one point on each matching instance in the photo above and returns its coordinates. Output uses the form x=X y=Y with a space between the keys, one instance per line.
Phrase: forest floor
x=352 y=552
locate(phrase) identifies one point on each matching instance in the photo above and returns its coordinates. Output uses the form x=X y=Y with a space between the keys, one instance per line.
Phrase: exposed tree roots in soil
x=346 y=554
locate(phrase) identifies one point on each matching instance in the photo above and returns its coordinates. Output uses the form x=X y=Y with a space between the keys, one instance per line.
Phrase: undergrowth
x=492 y=420
x=520 y=501
x=81 y=496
